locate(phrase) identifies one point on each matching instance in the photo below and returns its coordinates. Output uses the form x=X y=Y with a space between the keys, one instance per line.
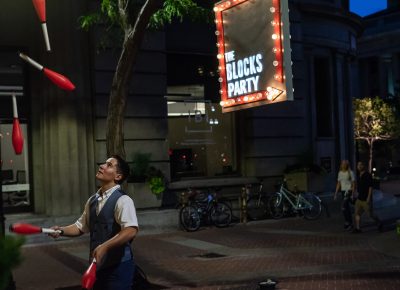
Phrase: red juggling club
x=40 y=7
x=17 y=137
x=28 y=229
x=89 y=277
x=58 y=79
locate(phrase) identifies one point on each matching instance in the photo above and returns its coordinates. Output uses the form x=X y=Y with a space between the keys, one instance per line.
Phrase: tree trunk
x=122 y=76
x=371 y=149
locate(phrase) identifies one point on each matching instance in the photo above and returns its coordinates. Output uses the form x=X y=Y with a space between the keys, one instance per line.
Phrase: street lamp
x=6 y=91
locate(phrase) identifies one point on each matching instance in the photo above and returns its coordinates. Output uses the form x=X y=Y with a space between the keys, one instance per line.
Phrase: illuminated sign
x=254 y=53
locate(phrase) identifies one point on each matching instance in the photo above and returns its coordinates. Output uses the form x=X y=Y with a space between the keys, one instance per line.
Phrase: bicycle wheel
x=189 y=218
x=256 y=208
x=275 y=206
x=221 y=214
x=312 y=210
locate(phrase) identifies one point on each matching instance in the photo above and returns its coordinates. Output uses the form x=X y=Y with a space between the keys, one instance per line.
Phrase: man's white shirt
x=124 y=212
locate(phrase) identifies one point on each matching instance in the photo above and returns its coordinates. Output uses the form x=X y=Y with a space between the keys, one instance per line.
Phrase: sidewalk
x=299 y=254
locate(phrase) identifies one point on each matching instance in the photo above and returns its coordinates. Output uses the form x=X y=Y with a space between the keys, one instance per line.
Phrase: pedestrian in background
x=364 y=202
x=346 y=185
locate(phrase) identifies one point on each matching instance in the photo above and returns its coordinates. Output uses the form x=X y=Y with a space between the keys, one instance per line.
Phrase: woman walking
x=346 y=185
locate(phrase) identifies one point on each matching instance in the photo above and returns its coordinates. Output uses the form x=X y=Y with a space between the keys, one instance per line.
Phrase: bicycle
x=284 y=202
x=204 y=208
x=257 y=204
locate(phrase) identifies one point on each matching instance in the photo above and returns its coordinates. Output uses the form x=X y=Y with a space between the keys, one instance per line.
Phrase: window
x=345 y=4
x=373 y=77
x=201 y=138
x=323 y=97
x=16 y=186
x=15 y=169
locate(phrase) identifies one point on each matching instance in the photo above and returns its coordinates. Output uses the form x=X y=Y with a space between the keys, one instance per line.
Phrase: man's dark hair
x=122 y=168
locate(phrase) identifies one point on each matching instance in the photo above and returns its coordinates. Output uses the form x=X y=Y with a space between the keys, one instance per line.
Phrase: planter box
x=142 y=196
x=305 y=181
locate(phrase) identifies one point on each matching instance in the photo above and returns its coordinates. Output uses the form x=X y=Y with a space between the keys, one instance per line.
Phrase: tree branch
x=122 y=10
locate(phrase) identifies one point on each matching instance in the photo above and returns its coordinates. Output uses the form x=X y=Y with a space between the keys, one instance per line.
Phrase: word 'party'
x=243 y=74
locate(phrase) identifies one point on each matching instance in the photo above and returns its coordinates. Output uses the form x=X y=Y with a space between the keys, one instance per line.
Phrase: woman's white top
x=346 y=179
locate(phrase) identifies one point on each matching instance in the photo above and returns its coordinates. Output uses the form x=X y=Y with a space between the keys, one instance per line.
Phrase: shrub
x=10 y=257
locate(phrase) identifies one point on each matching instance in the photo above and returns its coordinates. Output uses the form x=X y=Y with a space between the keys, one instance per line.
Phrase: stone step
x=150 y=222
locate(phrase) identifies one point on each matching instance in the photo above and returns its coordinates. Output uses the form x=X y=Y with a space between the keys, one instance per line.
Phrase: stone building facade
x=66 y=131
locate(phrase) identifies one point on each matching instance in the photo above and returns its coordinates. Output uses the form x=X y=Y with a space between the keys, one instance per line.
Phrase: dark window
x=397 y=79
x=323 y=97
x=345 y=4
x=192 y=69
x=373 y=77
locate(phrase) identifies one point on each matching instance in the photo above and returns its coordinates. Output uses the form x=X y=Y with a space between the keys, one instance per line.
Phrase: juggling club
x=28 y=229
x=89 y=277
x=17 y=137
x=58 y=79
x=40 y=7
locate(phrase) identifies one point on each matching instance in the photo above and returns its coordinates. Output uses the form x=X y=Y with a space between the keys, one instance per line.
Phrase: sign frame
x=278 y=88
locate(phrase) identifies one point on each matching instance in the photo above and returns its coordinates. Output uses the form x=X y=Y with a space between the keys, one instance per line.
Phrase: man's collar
x=108 y=192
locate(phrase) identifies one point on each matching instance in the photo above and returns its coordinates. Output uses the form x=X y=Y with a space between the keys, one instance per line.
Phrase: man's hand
x=124 y=236
x=99 y=253
x=55 y=235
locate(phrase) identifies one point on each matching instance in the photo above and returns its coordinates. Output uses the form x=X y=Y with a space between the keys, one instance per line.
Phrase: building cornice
x=333 y=13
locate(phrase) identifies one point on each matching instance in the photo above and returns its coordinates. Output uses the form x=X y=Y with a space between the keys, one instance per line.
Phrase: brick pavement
x=299 y=254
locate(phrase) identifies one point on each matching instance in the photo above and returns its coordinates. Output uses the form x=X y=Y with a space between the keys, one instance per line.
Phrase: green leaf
x=10 y=257
x=156 y=185
x=87 y=21
x=179 y=9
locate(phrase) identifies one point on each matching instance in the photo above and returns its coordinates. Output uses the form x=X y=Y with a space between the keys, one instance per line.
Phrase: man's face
x=108 y=171
x=360 y=166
